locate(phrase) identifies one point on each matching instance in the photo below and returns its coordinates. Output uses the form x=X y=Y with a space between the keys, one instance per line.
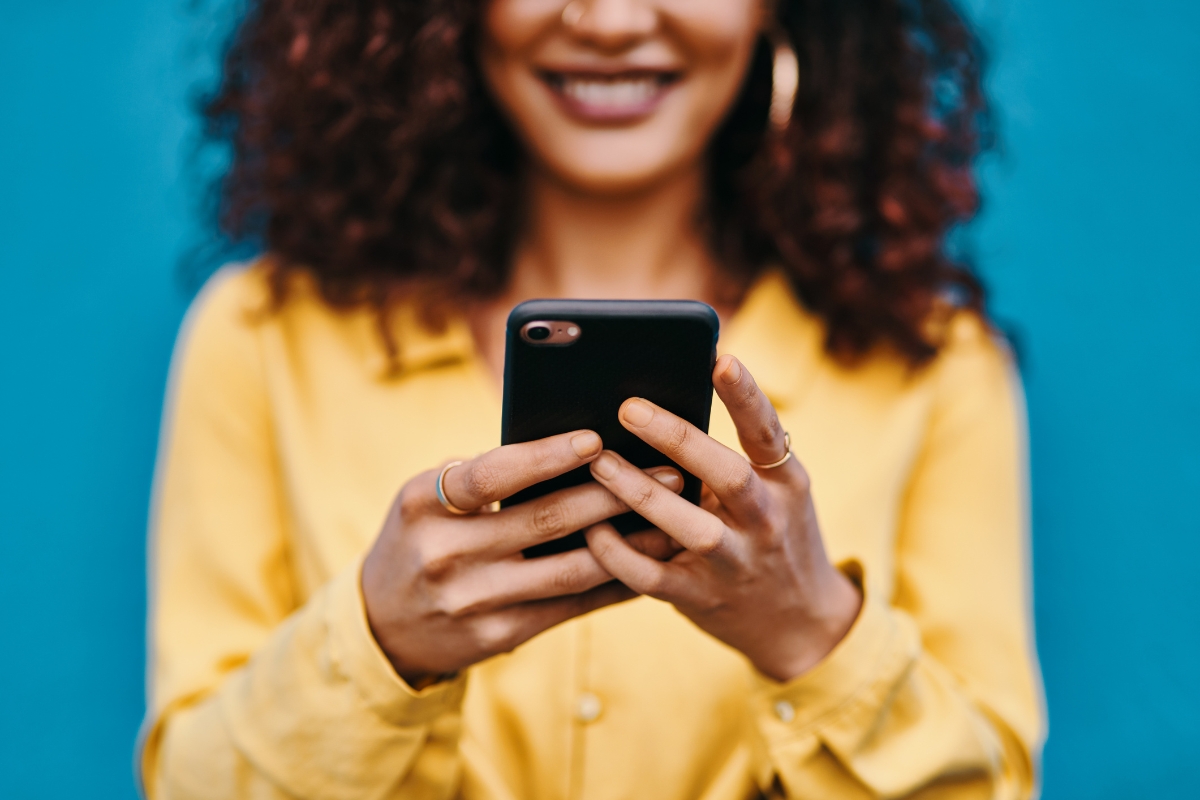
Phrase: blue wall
x=1088 y=241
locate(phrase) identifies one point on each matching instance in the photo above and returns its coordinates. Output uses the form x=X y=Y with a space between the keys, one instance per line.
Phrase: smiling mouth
x=617 y=97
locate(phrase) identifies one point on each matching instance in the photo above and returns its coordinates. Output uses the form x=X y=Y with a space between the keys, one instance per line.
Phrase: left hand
x=752 y=570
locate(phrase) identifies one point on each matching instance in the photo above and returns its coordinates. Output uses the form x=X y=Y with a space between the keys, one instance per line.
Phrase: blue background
x=1088 y=241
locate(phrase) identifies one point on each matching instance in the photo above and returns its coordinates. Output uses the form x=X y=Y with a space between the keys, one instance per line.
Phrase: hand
x=753 y=570
x=443 y=592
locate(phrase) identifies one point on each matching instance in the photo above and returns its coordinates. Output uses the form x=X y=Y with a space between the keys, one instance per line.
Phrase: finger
x=502 y=472
x=515 y=581
x=504 y=630
x=542 y=615
x=758 y=427
x=555 y=515
x=726 y=472
x=655 y=544
x=638 y=571
x=693 y=527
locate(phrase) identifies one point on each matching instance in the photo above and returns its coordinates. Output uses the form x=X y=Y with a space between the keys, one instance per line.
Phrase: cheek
x=718 y=37
x=511 y=30
x=709 y=22
x=515 y=25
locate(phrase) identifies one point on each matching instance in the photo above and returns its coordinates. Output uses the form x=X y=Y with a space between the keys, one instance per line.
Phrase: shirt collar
x=778 y=340
x=418 y=347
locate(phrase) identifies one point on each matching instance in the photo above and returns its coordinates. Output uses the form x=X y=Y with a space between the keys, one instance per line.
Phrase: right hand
x=443 y=592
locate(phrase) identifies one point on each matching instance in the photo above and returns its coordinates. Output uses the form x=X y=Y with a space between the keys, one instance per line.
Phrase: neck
x=646 y=245
x=640 y=245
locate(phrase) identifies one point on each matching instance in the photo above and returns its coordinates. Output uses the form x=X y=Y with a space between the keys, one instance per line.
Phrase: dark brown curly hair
x=367 y=153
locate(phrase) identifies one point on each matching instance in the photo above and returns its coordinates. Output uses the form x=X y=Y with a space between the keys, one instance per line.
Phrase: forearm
x=316 y=712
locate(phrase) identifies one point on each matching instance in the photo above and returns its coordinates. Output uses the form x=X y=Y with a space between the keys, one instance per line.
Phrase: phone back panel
x=663 y=351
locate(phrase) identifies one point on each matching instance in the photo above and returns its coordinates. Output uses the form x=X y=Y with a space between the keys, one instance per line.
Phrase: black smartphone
x=569 y=364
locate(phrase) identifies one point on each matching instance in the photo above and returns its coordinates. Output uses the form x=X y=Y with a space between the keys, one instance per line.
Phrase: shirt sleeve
x=935 y=692
x=252 y=694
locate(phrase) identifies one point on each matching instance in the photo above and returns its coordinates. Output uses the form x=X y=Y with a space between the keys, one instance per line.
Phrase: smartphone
x=570 y=364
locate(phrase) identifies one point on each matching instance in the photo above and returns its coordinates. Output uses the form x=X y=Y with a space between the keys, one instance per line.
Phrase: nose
x=610 y=24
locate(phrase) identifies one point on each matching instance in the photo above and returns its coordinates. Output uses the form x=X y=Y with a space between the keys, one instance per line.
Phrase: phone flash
x=550 y=332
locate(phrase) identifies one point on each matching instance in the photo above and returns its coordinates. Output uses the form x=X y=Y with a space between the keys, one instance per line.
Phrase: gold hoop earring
x=572 y=13
x=785 y=80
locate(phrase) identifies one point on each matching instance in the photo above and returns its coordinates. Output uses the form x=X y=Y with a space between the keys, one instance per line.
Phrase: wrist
x=376 y=605
x=808 y=637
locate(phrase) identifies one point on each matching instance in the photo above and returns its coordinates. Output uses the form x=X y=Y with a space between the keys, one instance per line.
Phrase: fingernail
x=637 y=412
x=605 y=466
x=733 y=371
x=668 y=478
x=586 y=444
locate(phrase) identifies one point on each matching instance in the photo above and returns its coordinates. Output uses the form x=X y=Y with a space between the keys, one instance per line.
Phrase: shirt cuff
x=358 y=656
x=857 y=672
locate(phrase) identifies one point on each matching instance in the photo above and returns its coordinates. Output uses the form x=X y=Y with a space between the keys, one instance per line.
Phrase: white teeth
x=620 y=93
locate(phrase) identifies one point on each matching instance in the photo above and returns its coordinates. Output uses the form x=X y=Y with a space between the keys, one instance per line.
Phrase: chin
x=613 y=182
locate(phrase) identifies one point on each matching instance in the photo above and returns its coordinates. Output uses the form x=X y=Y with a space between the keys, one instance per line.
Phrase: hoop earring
x=785 y=80
x=572 y=13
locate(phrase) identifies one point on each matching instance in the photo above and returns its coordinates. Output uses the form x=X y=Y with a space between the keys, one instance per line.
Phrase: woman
x=415 y=169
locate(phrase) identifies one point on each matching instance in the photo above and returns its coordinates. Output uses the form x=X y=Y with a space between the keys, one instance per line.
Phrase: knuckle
x=642 y=495
x=437 y=564
x=711 y=604
x=770 y=433
x=709 y=544
x=411 y=503
x=654 y=584
x=677 y=436
x=456 y=604
x=495 y=635
x=741 y=480
x=749 y=394
x=601 y=546
x=568 y=579
x=482 y=481
x=549 y=518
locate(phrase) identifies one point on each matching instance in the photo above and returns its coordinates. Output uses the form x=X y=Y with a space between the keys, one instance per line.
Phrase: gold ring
x=787 y=447
x=441 y=492
x=572 y=13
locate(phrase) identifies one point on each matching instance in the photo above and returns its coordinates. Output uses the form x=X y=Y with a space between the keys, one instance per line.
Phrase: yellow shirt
x=287 y=437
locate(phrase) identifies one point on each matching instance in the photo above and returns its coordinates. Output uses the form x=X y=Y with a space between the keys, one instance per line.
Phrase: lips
x=615 y=97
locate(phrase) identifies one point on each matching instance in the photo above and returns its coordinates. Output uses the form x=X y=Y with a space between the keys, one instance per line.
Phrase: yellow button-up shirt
x=287 y=435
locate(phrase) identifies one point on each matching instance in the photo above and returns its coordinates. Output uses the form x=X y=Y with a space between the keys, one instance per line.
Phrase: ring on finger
x=441 y=492
x=787 y=453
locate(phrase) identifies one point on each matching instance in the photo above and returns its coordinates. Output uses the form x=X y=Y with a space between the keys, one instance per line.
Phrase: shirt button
x=785 y=711
x=588 y=707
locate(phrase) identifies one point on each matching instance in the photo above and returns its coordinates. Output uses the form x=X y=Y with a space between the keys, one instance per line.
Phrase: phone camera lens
x=538 y=333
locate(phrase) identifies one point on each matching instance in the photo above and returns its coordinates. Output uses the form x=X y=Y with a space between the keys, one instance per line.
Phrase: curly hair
x=367 y=153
